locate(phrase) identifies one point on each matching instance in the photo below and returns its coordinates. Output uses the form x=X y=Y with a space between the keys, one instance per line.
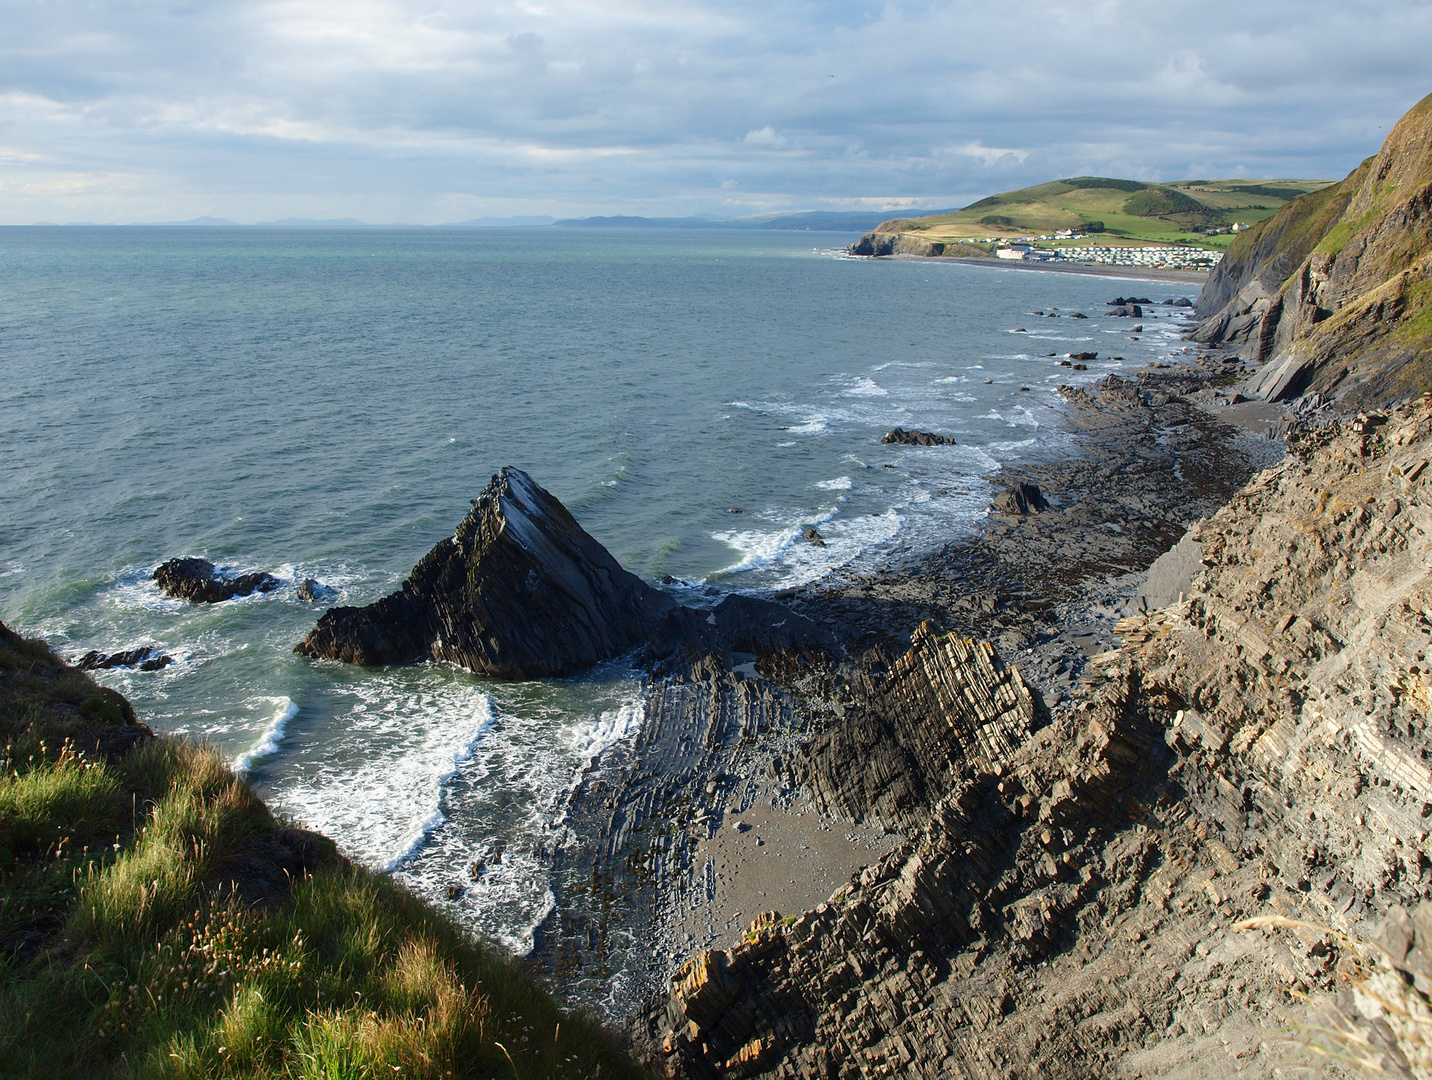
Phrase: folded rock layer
x=519 y=591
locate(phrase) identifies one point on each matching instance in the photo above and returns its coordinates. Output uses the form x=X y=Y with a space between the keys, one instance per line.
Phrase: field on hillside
x=1112 y=211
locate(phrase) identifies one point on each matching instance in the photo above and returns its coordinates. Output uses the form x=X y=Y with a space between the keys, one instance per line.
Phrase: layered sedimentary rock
x=895 y=243
x=942 y=710
x=1077 y=905
x=1334 y=292
x=519 y=591
x=200 y=582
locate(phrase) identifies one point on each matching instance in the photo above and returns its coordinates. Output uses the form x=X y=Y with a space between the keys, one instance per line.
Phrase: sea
x=325 y=404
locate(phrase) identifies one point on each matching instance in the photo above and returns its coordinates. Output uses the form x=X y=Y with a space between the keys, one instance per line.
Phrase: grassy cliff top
x=1128 y=211
x=157 y=921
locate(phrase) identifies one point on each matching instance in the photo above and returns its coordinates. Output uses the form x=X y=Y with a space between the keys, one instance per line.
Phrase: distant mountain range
x=812 y=221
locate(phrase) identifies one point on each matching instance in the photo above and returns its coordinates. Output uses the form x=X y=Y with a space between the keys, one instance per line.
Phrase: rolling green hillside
x=1114 y=211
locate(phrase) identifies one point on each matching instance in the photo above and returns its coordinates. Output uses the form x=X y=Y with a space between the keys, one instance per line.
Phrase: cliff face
x=1334 y=293
x=882 y=242
x=519 y=591
x=1072 y=906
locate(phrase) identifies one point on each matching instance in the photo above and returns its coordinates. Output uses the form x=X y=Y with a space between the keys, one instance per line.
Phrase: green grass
x=1132 y=212
x=128 y=949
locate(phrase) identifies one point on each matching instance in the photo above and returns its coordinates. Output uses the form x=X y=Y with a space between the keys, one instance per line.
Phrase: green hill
x=1202 y=212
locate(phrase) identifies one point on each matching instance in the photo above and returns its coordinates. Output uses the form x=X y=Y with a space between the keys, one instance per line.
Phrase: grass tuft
x=128 y=949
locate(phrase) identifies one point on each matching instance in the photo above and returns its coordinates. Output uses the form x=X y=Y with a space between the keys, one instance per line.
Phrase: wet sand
x=773 y=859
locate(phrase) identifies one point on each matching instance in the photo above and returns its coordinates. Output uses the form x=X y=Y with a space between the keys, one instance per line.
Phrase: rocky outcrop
x=310 y=590
x=1334 y=292
x=895 y=243
x=1153 y=883
x=737 y=623
x=1020 y=500
x=916 y=438
x=145 y=658
x=519 y=591
x=199 y=581
x=927 y=718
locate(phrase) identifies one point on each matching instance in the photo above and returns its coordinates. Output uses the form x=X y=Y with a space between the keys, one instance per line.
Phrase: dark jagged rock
x=145 y=658
x=198 y=581
x=1126 y=311
x=519 y=591
x=916 y=438
x=1120 y=301
x=1083 y=355
x=311 y=590
x=1021 y=500
x=946 y=703
x=887 y=243
x=813 y=535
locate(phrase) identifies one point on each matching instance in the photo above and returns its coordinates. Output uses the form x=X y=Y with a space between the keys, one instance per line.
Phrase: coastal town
x=1160 y=256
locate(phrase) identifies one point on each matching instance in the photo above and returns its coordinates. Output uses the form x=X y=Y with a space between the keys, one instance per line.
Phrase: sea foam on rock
x=520 y=591
x=199 y=581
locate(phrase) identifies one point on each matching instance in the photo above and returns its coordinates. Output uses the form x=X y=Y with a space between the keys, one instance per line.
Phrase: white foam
x=864 y=387
x=785 y=559
x=840 y=483
x=271 y=738
x=813 y=426
x=593 y=739
x=374 y=782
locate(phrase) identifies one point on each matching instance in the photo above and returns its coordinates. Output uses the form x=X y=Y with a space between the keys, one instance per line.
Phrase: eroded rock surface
x=146 y=658
x=1332 y=292
x=199 y=581
x=519 y=591
x=1074 y=905
x=916 y=438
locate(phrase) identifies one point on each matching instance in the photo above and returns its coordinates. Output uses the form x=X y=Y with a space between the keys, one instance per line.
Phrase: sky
x=431 y=111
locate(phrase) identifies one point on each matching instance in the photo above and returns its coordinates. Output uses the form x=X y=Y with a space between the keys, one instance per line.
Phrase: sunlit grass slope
x=157 y=921
x=1121 y=211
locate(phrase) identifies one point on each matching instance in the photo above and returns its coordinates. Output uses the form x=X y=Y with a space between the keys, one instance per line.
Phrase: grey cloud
x=391 y=110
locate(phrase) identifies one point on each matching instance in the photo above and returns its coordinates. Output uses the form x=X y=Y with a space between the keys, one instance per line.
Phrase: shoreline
x=725 y=740
x=1092 y=270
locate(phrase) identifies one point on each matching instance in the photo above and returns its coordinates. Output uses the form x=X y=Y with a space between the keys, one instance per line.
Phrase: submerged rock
x=144 y=658
x=916 y=438
x=520 y=591
x=199 y=581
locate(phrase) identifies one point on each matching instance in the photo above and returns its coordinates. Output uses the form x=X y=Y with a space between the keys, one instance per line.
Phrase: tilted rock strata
x=945 y=708
x=519 y=591
x=1070 y=909
x=1302 y=655
x=1334 y=292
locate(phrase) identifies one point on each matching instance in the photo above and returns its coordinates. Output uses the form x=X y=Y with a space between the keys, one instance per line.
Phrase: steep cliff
x=519 y=591
x=1334 y=293
x=1076 y=903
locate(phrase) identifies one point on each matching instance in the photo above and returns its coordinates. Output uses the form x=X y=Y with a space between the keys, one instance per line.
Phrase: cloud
x=766 y=137
x=407 y=110
x=991 y=155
